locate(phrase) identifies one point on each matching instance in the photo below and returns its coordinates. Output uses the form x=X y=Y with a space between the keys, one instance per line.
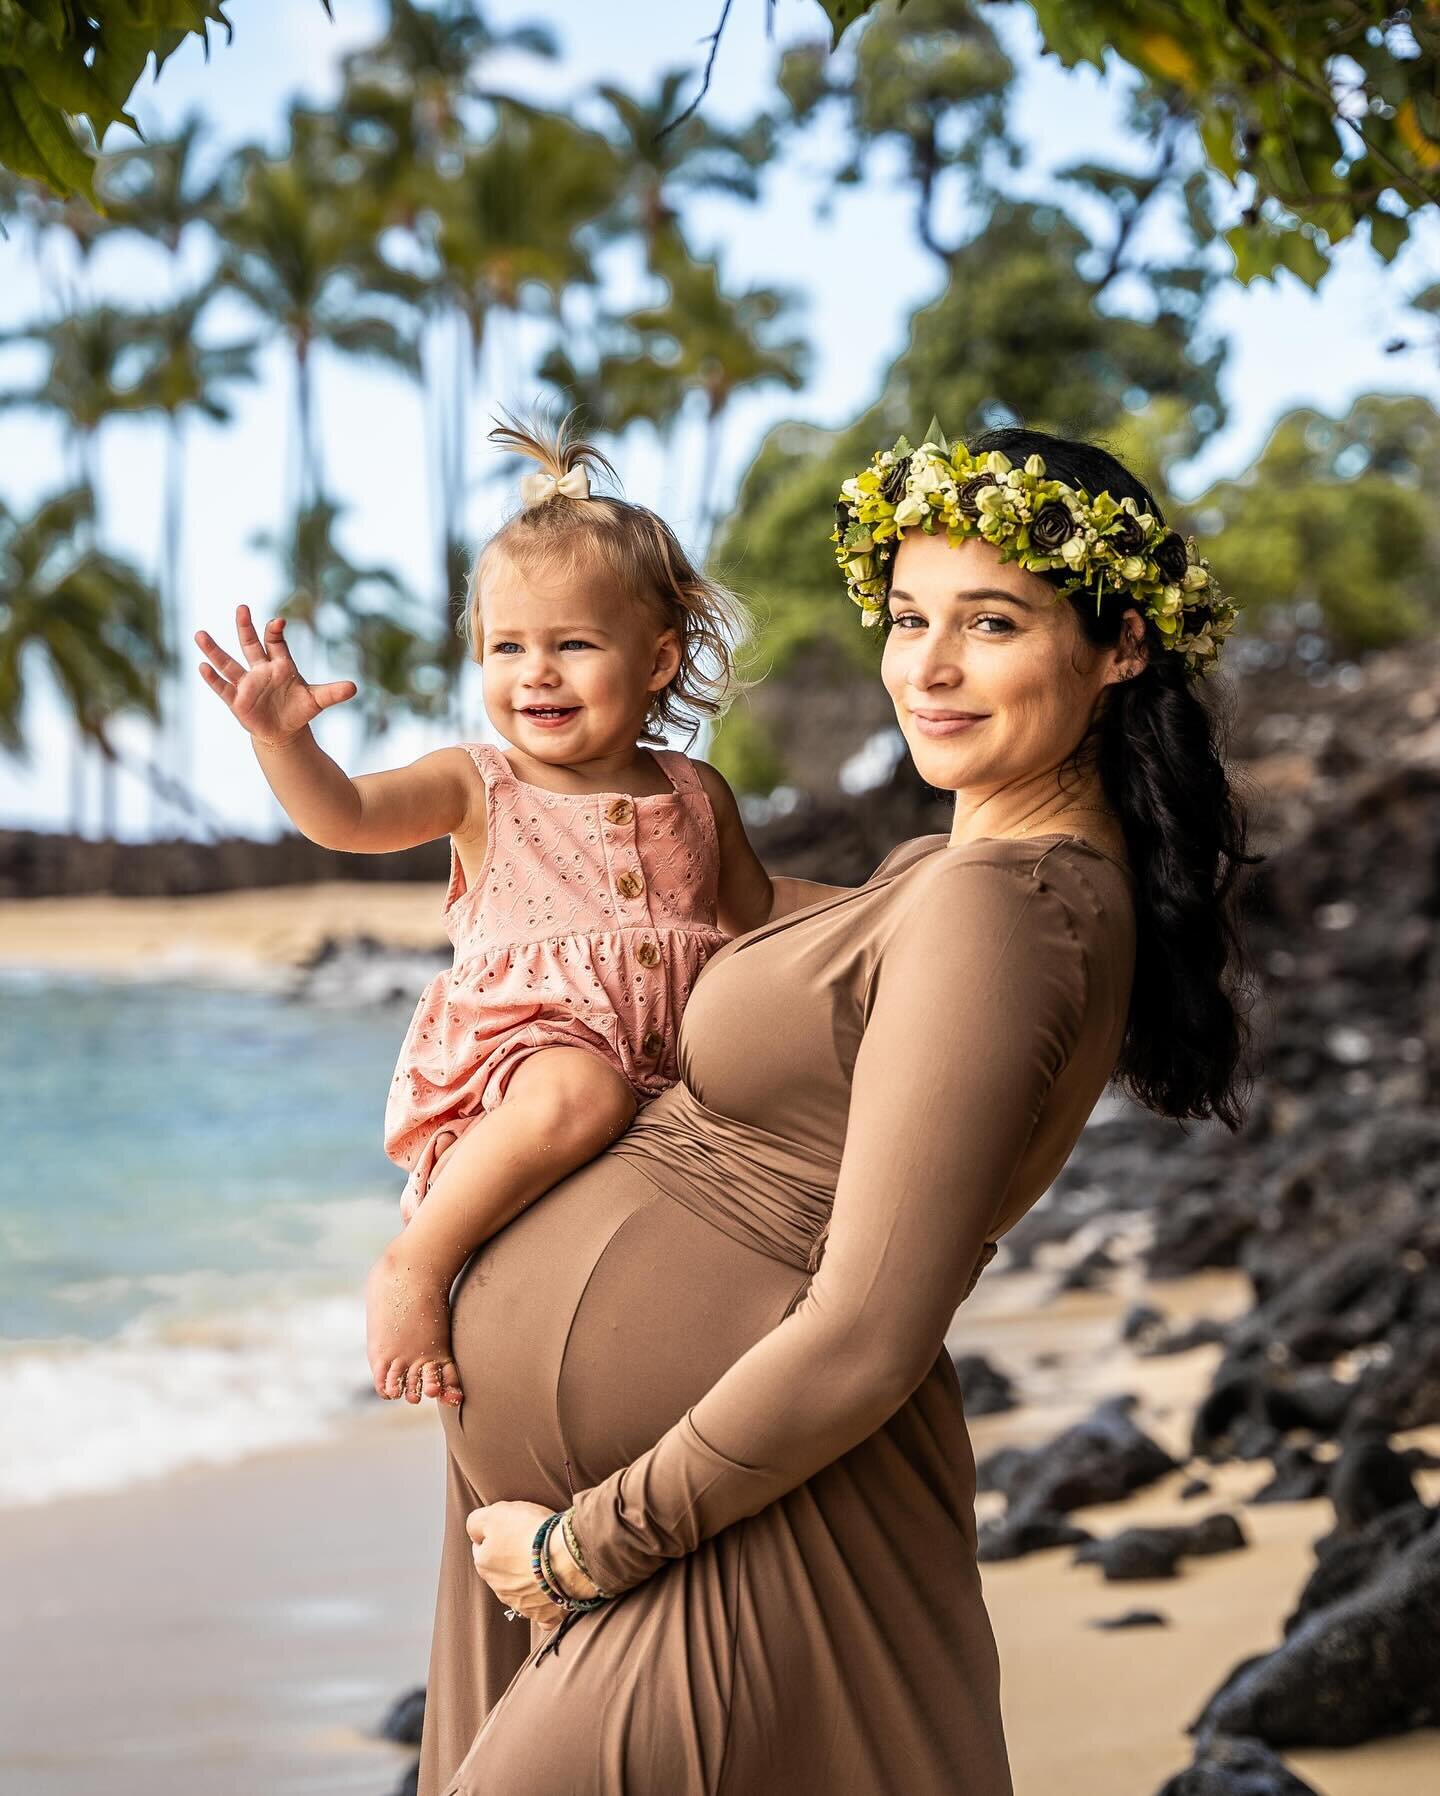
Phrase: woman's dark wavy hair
x=1159 y=755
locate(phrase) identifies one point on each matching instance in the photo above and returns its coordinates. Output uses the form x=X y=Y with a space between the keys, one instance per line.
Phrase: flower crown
x=1041 y=523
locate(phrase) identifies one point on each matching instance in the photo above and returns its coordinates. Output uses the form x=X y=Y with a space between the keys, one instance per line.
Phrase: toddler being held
x=590 y=878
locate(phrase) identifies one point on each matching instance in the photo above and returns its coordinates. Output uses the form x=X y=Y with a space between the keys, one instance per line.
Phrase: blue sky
x=1288 y=346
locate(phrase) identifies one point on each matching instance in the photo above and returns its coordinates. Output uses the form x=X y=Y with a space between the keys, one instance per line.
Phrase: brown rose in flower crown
x=1095 y=542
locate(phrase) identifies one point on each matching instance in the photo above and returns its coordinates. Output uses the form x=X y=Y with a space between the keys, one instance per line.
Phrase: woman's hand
x=504 y=1535
x=268 y=698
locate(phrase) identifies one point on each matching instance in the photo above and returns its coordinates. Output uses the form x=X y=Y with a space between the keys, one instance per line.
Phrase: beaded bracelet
x=567 y=1522
x=545 y=1572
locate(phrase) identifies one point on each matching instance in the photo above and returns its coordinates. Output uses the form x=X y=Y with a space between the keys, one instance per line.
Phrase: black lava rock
x=404 y=1718
x=1226 y=1767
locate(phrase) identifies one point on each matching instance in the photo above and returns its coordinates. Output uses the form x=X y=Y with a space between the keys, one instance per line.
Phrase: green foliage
x=664 y=164
x=742 y=751
x=1321 y=118
x=1339 y=513
x=61 y=61
x=90 y=617
x=929 y=80
x=701 y=341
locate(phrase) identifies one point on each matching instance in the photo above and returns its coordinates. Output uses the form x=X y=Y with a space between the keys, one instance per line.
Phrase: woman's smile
x=946 y=723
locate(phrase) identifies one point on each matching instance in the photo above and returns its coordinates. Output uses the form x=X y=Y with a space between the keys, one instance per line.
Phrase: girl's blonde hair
x=644 y=555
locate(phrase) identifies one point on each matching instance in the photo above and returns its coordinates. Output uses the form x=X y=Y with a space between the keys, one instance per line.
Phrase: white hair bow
x=536 y=488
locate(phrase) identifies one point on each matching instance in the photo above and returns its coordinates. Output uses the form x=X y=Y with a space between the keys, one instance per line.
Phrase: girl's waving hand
x=269 y=698
x=377 y=813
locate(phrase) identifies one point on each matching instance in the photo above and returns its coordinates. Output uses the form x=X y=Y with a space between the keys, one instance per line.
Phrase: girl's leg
x=562 y=1106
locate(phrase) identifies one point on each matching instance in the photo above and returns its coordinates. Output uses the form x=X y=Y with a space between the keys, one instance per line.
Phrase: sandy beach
x=243 y=1629
x=271 y=926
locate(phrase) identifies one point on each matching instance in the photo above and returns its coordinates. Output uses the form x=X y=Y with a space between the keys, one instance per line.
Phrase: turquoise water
x=192 y=1188
x=167 y=1129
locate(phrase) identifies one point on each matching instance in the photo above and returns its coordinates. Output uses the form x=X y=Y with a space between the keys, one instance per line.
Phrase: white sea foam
x=176 y=1390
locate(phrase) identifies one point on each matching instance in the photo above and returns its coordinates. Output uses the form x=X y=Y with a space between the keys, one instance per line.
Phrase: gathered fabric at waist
x=759 y=1188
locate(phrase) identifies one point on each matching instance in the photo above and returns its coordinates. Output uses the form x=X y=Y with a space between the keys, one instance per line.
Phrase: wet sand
x=238 y=1631
x=234 y=1631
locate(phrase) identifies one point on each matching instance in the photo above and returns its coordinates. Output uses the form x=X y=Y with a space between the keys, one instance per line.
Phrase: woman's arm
x=973 y=1009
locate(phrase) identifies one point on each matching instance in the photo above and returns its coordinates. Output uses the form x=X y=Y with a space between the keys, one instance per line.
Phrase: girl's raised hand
x=268 y=698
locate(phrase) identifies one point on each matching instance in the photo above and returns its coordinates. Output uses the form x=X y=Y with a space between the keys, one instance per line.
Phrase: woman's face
x=993 y=683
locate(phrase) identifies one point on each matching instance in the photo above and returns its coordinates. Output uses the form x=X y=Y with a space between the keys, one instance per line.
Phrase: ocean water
x=192 y=1187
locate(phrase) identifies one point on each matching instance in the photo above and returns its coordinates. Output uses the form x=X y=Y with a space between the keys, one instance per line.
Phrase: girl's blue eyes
x=574 y=642
x=985 y=617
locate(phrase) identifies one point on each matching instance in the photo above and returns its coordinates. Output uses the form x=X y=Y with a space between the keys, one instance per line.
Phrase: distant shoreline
x=265 y=927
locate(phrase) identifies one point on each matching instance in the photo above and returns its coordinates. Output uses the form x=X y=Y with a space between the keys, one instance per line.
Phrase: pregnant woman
x=718 y=1348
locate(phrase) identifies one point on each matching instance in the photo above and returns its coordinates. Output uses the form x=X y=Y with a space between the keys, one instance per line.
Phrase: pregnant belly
x=591 y=1323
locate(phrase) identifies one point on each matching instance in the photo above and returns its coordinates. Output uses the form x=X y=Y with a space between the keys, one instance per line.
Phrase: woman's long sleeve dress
x=731 y=1325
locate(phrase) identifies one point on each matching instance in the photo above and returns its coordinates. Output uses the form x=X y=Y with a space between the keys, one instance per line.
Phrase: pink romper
x=588 y=922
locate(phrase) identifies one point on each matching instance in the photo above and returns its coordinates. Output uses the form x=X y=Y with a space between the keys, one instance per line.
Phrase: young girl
x=590 y=879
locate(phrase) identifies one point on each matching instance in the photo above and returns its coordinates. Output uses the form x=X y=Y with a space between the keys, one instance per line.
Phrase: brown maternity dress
x=732 y=1322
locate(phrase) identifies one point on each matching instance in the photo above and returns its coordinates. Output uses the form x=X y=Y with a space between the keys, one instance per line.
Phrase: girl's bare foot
x=407 y=1331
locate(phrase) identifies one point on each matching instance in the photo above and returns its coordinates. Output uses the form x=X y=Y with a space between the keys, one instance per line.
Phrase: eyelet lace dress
x=586 y=926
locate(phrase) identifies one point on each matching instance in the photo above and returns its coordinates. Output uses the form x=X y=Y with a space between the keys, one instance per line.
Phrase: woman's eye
x=988 y=617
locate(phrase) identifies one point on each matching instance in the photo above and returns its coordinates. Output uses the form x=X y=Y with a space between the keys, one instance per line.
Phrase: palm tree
x=95 y=356
x=152 y=190
x=513 y=228
x=90 y=617
x=292 y=247
x=665 y=165
x=699 y=340
x=183 y=376
x=409 y=103
x=404 y=100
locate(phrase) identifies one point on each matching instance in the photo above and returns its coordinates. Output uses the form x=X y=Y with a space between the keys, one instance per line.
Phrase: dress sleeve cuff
x=661 y=1506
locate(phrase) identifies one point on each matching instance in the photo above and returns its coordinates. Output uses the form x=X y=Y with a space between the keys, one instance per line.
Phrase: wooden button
x=621 y=811
x=648 y=954
x=629 y=884
x=653 y=1043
